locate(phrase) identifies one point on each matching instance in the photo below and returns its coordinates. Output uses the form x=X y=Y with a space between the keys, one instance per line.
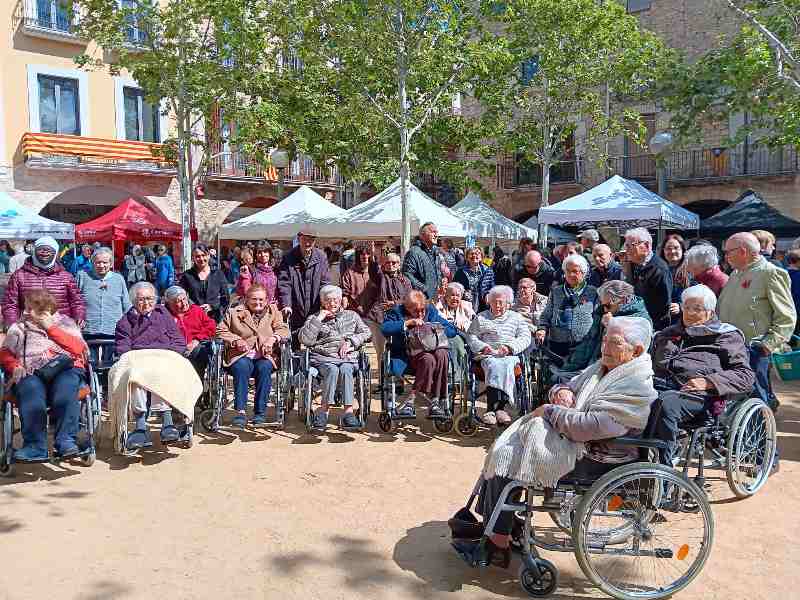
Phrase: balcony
x=711 y=164
x=49 y=151
x=236 y=167
x=49 y=19
x=512 y=175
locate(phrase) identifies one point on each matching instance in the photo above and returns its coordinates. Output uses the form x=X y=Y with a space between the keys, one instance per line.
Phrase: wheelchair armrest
x=639 y=442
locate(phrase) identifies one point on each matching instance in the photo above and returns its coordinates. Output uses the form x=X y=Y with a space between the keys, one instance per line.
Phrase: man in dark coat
x=649 y=275
x=535 y=267
x=605 y=267
x=421 y=263
x=301 y=275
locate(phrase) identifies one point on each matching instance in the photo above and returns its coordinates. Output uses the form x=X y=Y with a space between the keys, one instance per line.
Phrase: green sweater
x=758 y=300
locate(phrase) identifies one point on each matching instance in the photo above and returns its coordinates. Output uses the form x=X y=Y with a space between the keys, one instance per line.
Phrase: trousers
x=61 y=396
x=331 y=374
x=261 y=371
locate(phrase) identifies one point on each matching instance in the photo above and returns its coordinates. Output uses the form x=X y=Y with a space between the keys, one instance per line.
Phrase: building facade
x=75 y=143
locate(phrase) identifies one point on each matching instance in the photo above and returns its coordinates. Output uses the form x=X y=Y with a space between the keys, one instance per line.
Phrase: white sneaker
x=503 y=418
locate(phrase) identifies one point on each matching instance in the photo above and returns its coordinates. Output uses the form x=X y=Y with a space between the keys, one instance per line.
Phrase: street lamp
x=280 y=160
x=660 y=144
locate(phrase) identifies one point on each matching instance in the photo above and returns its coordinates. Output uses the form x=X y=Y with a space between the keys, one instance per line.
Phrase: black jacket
x=544 y=278
x=653 y=283
x=213 y=291
x=421 y=267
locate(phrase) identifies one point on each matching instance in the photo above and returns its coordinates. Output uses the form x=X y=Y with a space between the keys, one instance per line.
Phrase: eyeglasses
x=633 y=244
x=146 y=299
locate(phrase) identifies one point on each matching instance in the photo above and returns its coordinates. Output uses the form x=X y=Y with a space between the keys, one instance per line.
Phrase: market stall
x=20 y=222
x=486 y=222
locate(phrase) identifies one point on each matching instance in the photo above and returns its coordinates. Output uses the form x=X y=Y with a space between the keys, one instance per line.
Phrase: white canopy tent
x=20 y=222
x=619 y=202
x=486 y=222
x=380 y=217
x=302 y=208
x=559 y=236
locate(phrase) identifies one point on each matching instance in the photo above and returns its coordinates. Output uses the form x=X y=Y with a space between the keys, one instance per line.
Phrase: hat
x=307 y=232
x=46 y=241
x=589 y=234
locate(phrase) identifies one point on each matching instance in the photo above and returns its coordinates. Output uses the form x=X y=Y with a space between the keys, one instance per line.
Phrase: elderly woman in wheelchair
x=334 y=337
x=579 y=452
x=703 y=375
x=496 y=337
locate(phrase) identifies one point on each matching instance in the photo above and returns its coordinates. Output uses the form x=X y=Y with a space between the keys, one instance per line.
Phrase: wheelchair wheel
x=539 y=584
x=6 y=439
x=671 y=531
x=465 y=425
x=751 y=448
x=443 y=425
x=88 y=459
x=386 y=423
x=207 y=421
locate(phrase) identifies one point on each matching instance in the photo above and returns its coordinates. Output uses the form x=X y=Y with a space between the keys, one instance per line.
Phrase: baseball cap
x=589 y=234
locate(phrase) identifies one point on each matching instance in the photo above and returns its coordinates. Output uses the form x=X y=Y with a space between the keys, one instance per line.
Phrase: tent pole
x=660 y=236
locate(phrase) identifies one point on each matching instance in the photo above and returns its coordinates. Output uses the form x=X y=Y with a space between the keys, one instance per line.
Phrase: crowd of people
x=709 y=331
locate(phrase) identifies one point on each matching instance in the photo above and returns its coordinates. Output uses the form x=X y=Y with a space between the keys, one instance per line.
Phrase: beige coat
x=239 y=324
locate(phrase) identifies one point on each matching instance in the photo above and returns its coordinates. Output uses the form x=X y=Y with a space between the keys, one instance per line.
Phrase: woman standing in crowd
x=165 y=270
x=206 y=287
x=702 y=263
x=673 y=252
x=135 y=265
x=6 y=252
x=356 y=280
x=246 y=272
x=476 y=278
x=106 y=296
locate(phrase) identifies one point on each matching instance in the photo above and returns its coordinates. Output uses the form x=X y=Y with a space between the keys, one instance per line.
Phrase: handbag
x=53 y=367
x=428 y=337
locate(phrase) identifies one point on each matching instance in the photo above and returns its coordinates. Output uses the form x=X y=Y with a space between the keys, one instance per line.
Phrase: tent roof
x=282 y=221
x=619 y=202
x=129 y=220
x=750 y=212
x=20 y=222
x=553 y=233
x=486 y=222
x=380 y=216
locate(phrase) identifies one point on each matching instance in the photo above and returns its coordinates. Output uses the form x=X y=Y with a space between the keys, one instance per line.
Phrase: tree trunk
x=185 y=194
x=405 y=144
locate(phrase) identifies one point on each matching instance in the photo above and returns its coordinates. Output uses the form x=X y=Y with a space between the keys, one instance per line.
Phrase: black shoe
x=482 y=553
x=138 y=439
x=435 y=411
x=350 y=421
x=67 y=450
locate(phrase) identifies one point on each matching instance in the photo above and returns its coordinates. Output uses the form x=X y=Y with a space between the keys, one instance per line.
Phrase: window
x=134 y=29
x=53 y=14
x=635 y=6
x=528 y=70
x=142 y=119
x=59 y=105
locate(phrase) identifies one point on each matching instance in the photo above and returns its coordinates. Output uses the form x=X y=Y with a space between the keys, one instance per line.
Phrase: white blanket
x=499 y=373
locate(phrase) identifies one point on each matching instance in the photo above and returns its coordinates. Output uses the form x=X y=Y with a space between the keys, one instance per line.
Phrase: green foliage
x=741 y=76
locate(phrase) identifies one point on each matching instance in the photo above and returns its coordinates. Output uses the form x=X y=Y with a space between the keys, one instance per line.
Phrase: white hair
x=455 y=287
x=142 y=285
x=748 y=241
x=101 y=251
x=704 y=256
x=576 y=259
x=329 y=290
x=174 y=292
x=501 y=290
x=703 y=292
x=619 y=291
x=639 y=234
x=637 y=331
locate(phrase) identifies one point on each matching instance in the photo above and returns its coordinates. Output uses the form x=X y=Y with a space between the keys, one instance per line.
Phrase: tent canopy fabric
x=559 y=236
x=380 y=216
x=619 y=202
x=20 y=222
x=302 y=208
x=750 y=212
x=486 y=222
x=129 y=221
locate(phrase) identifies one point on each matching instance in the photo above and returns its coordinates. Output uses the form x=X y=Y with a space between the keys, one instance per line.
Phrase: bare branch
x=381 y=109
x=432 y=104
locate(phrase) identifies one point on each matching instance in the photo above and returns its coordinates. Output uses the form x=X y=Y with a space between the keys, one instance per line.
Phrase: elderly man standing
x=605 y=267
x=536 y=268
x=649 y=275
x=588 y=239
x=386 y=289
x=758 y=300
x=302 y=274
x=421 y=264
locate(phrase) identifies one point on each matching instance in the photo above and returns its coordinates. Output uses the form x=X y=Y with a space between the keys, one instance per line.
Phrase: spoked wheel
x=539 y=584
x=667 y=543
x=207 y=421
x=751 y=448
x=443 y=425
x=6 y=438
x=386 y=424
x=465 y=425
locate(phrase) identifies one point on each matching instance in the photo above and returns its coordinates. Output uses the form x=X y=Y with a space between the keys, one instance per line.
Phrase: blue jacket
x=484 y=283
x=81 y=263
x=165 y=272
x=394 y=329
x=598 y=278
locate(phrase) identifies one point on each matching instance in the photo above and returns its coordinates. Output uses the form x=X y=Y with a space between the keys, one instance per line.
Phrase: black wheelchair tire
x=541 y=585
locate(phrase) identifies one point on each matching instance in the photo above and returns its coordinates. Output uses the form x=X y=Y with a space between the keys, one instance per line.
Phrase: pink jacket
x=57 y=280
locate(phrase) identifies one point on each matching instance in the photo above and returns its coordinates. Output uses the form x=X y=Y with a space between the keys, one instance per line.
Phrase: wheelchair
x=468 y=421
x=640 y=531
x=102 y=355
x=89 y=395
x=389 y=419
x=305 y=380
x=741 y=438
x=219 y=383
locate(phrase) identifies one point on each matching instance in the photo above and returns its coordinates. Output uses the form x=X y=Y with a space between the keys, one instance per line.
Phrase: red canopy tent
x=129 y=222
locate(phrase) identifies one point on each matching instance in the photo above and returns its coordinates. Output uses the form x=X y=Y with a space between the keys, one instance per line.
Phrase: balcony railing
x=236 y=166
x=50 y=19
x=77 y=153
x=710 y=164
x=512 y=175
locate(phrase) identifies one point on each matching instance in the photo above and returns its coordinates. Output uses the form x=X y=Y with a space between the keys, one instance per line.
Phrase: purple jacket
x=58 y=281
x=157 y=331
x=299 y=283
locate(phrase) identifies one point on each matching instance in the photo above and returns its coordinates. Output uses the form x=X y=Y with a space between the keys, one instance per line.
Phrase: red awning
x=130 y=221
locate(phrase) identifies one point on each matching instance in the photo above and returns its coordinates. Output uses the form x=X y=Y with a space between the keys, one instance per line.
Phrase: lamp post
x=660 y=144
x=280 y=160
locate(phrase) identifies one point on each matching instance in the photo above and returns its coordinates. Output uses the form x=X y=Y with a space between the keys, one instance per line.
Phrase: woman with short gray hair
x=106 y=296
x=496 y=336
x=702 y=263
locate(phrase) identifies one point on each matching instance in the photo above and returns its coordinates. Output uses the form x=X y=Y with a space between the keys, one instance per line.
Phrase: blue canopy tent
x=20 y=222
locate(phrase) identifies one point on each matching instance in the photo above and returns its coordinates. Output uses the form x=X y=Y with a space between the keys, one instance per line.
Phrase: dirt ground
x=265 y=514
